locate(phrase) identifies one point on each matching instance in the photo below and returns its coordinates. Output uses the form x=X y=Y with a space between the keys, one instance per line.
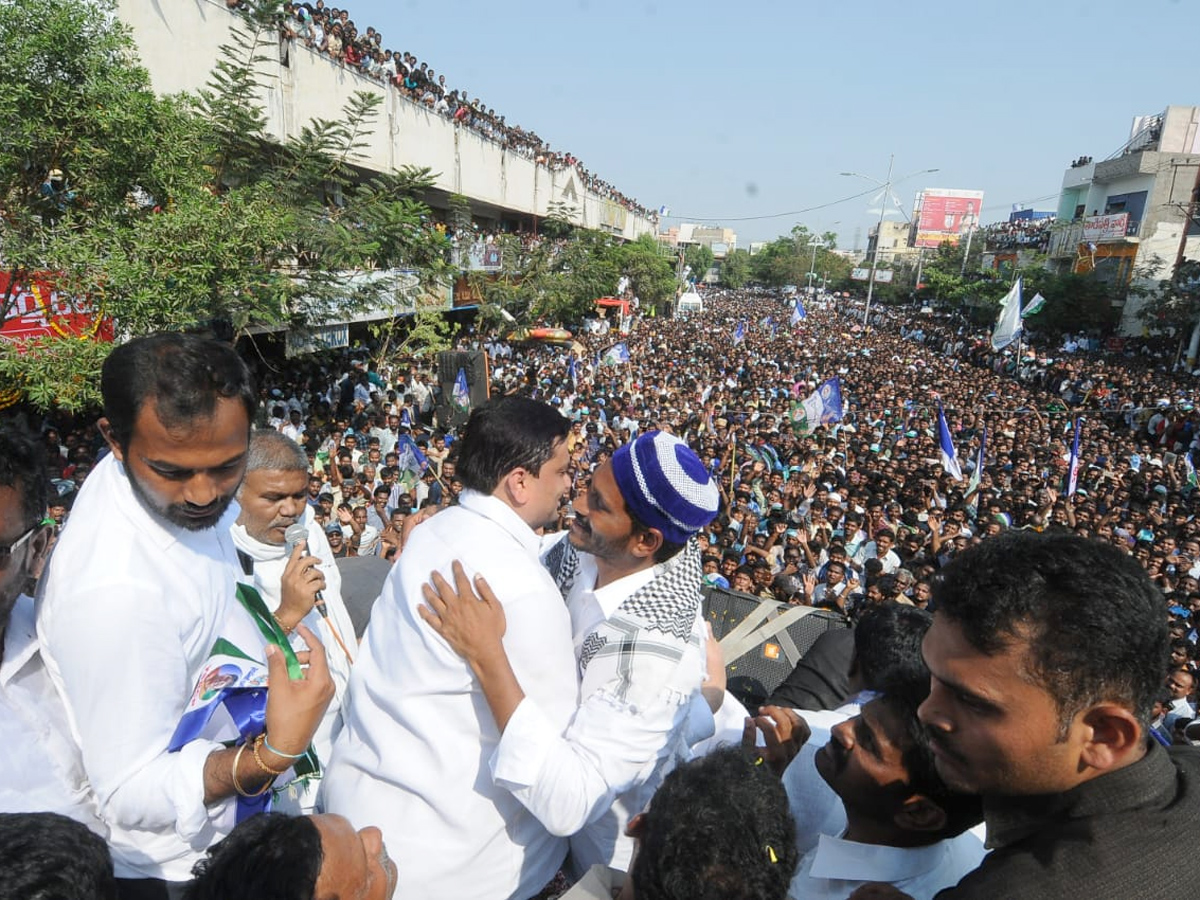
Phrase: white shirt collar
x=502 y=514
x=612 y=595
x=20 y=639
x=851 y=861
x=114 y=480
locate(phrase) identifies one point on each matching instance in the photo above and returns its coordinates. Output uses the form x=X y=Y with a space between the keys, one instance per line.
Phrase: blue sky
x=724 y=111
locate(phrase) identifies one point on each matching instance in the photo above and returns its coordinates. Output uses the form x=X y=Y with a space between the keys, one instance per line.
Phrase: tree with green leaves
x=699 y=259
x=735 y=270
x=789 y=259
x=651 y=275
x=182 y=212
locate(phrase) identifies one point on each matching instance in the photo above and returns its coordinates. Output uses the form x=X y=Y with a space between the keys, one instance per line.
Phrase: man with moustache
x=1047 y=653
x=630 y=572
x=143 y=587
x=290 y=575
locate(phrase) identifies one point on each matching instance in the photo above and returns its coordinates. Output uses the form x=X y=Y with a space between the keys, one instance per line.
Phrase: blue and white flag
x=946 y=443
x=461 y=397
x=973 y=482
x=798 y=313
x=616 y=354
x=1008 y=324
x=824 y=405
x=406 y=417
x=410 y=462
x=1073 y=465
x=664 y=210
x=739 y=333
x=571 y=375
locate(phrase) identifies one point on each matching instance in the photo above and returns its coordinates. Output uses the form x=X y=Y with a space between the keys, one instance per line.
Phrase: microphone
x=293 y=535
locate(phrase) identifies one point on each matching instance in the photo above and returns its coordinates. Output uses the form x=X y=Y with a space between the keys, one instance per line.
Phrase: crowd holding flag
x=616 y=354
x=977 y=474
x=821 y=407
x=1190 y=469
x=410 y=462
x=798 y=312
x=1034 y=307
x=739 y=333
x=946 y=443
x=571 y=373
x=1008 y=325
x=461 y=397
x=1073 y=465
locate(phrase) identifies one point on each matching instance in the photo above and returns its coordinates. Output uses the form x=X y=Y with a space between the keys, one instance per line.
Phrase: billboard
x=1111 y=227
x=944 y=214
x=882 y=276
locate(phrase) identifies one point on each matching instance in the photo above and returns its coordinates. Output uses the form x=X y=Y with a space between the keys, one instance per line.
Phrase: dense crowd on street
x=330 y=32
x=1019 y=234
x=1041 y=578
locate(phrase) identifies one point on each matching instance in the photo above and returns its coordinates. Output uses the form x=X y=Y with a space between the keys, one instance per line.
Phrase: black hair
x=182 y=374
x=45 y=856
x=22 y=470
x=1094 y=624
x=275 y=452
x=508 y=433
x=962 y=811
x=719 y=828
x=887 y=648
x=666 y=549
x=272 y=856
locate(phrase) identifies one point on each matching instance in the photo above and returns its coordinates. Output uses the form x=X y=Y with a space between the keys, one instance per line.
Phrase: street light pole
x=812 y=266
x=887 y=196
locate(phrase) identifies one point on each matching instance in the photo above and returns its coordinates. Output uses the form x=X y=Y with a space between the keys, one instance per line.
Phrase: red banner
x=947 y=215
x=37 y=310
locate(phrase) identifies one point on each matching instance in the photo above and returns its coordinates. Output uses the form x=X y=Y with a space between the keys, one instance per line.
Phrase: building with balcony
x=179 y=43
x=894 y=240
x=1130 y=215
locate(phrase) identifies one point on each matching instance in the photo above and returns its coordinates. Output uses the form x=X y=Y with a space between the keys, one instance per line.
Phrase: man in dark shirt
x=1046 y=653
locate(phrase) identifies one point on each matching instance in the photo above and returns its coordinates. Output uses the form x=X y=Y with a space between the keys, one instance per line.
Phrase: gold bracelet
x=286 y=629
x=258 y=742
x=237 y=757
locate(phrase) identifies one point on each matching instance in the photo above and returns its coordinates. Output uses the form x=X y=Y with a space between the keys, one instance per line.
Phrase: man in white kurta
x=135 y=596
x=132 y=608
x=42 y=771
x=273 y=499
x=412 y=757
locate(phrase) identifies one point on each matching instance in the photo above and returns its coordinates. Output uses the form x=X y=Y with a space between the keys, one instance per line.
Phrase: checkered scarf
x=658 y=618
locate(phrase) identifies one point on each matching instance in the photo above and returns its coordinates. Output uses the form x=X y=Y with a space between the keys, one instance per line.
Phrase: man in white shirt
x=413 y=755
x=143 y=588
x=290 y=575
x=880 y=549
x=904 y=827
x=43 y=770
x=631 y=575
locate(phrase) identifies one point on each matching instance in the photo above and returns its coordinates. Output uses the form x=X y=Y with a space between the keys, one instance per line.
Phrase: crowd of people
x=535 y=700
x=1019 y=234
x=330 y=32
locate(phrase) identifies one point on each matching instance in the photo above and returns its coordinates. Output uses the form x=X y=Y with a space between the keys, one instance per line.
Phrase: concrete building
x=721 y=241
x=893 y=239
x=178 y=43
x=1125 y=217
